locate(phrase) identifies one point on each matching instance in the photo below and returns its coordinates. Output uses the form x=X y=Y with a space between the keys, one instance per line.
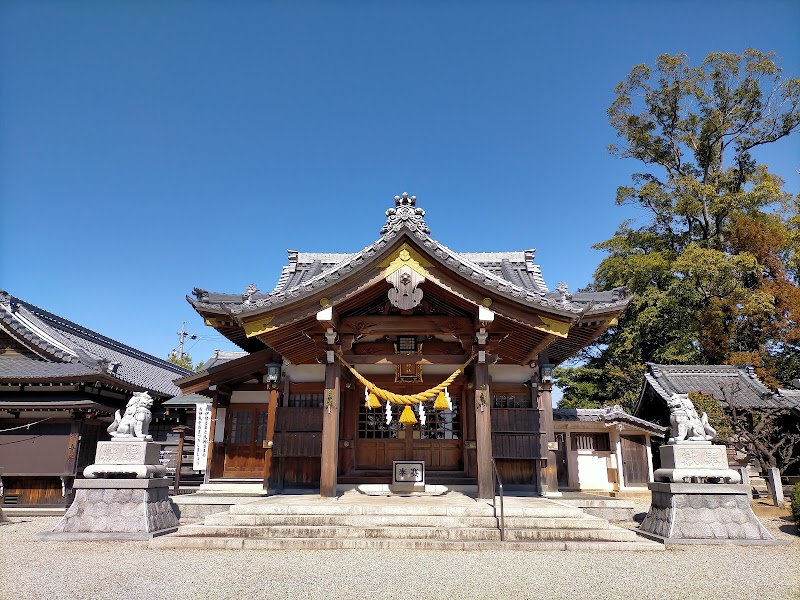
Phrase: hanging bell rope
x=405 y=399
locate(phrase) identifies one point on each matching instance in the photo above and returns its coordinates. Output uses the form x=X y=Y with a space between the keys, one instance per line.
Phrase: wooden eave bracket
x=553 y=327
x=259 y=326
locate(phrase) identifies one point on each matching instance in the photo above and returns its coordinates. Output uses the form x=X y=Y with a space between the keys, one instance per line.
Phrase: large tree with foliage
x=715 y=264
x=184 y=360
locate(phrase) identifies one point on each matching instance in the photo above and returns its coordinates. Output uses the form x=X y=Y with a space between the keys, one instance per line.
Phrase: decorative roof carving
x=251 y=291
x=563 y=291
x=201 y=295
x=405 y=214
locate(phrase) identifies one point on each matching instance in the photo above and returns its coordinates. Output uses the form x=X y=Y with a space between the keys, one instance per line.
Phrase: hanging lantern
x=441 y=402
x=408 y=418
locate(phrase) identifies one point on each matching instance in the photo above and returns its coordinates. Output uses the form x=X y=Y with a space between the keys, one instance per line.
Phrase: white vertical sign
x=202 y=431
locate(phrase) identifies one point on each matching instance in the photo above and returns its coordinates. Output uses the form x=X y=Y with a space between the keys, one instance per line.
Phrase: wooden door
x=634 y=459
x=562 y=467
x=439 y=442
x=246 y=430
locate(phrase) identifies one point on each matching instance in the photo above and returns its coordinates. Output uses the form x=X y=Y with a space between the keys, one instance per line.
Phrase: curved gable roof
x=512 y=275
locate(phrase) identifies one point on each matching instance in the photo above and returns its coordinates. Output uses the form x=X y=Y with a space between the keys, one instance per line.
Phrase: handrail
x=497 y=482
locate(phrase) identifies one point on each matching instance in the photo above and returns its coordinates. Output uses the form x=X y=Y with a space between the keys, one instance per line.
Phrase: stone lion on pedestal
x=686 y=423
x=135 y=421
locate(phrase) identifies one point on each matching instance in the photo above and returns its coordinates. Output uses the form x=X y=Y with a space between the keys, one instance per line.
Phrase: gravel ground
x=119 y=570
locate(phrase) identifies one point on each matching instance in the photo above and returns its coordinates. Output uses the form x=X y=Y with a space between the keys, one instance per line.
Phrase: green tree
x=184 y=361
x=714 y=266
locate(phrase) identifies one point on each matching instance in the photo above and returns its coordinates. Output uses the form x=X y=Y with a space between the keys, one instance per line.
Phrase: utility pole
x=182 y=335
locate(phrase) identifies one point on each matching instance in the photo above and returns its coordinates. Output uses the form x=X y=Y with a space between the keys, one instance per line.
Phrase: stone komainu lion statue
x=135 y=421
x=686 y=423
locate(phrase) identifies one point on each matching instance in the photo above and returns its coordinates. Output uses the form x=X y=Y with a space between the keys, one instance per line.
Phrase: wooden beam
x=328 y=318
x=406 y=359
x=539 y=348
x=400 y=325
x=330 y=430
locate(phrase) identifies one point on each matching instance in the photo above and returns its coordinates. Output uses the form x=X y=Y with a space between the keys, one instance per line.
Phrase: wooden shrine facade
x=404 y=313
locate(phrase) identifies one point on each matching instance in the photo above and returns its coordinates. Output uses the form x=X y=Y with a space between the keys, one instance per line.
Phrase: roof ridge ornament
x=405 y=214
x=566 y=297
x=247 y=296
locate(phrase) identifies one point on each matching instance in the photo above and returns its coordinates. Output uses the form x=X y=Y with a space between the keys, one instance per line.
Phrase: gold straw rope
x=402 y=398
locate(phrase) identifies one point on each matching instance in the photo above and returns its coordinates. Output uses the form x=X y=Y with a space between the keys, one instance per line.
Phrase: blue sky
x=150 y=147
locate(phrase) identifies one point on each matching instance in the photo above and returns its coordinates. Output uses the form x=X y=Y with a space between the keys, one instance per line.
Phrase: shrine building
x=404 y=350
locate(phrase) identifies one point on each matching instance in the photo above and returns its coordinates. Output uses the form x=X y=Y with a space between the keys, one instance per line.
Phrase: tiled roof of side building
x=42 y=330
x=608 y=415
x=222 y=356
x=735 y=384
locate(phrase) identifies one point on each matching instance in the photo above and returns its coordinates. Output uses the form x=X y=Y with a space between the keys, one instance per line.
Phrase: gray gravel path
x=120 y=570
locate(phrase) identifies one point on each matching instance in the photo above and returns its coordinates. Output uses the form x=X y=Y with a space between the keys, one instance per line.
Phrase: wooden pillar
x=549 y=473
x=483 y=431
x=330 y=429
x=617 y=441
x=269 y=440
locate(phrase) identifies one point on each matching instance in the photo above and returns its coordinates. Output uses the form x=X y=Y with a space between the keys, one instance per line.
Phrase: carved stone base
x=698 y=461
x=119 y=457
x=117 y=509
x=706 y=513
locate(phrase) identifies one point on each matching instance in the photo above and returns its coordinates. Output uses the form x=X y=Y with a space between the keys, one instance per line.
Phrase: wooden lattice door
x=246 y=430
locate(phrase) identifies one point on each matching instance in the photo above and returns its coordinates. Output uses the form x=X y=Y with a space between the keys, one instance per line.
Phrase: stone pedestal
x=133 y=509
x=123 y=497
x=695 y=461
x=703 y=513
x=132 y=458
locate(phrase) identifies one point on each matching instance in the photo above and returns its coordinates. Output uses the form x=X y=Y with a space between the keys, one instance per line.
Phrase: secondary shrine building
x=398 y=317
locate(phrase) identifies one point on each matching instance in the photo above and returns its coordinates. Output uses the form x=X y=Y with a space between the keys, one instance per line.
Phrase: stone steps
x=473 y=509
x=374 y=521
x=413 y=532
x=453 y=521
x=239 y=543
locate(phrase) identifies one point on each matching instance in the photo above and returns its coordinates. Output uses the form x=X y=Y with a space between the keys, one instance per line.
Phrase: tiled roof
x=738 y=385
x=25 y=367
x=70 y=349
x=512 y=274
x=187 y=400
x=55 y=402
x=222 y=356
x=608 y=416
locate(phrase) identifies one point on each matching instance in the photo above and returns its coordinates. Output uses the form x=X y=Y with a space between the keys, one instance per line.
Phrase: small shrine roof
x=735 y=384
x=610 y=415
x=58 y=348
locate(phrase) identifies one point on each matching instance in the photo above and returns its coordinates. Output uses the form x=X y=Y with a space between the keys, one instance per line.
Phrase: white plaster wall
x=240 y=397
x=305 y=373
x=510 y=373
x=592 y=469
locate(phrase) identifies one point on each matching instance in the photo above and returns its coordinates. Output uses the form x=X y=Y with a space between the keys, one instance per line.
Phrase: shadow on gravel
x=791 y=529
x=639 y=517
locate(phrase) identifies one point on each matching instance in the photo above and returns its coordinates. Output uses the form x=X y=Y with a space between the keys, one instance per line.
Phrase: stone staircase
x=449 y=521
